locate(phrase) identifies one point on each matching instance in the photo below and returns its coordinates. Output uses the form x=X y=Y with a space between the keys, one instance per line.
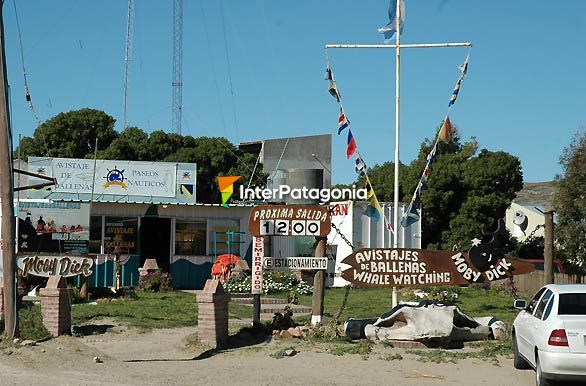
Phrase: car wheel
x=518 y=362
x=539 y=381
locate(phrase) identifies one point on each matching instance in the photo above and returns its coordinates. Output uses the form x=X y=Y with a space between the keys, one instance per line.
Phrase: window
x=533 y=302
x=190 y=238
x=225 y=236
x=95 y=243
x=120 y=232
x=542 y=303
x=572 y=304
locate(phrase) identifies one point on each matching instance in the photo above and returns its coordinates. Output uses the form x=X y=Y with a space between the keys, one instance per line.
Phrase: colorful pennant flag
x=411 y=216
x=390 y=29
x=342 y=121
x=333 y=89
x=360 y=166
x=351 y=148
x=445 y=132
x=373 y=210
x=455 y=93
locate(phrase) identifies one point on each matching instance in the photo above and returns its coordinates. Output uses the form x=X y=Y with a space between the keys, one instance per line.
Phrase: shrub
x=155 y=282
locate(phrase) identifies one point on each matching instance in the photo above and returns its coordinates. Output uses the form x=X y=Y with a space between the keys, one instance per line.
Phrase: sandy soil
x=163 y=357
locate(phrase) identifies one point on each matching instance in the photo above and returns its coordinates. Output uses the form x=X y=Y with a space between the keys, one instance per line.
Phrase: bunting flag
x=463 y=70
x=455 y=93
x=360 y=166
x=390 y=29
x=373 y=210
x=445 y=132
x=333 y=89
x=351 y=148
x=342 y=121
x=411 y=216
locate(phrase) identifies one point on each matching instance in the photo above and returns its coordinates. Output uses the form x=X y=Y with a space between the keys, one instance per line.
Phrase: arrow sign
x=390 y=267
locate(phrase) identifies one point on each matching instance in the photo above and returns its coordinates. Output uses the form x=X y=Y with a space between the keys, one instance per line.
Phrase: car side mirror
x=520 y=304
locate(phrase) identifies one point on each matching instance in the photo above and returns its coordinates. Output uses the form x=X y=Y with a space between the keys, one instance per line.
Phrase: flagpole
x=394 y=300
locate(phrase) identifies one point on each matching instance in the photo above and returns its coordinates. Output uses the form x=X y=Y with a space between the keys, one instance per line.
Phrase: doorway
x=155 y=241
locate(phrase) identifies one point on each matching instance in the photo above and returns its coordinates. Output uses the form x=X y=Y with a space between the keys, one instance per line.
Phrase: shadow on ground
x=91 y=329
x=246 y=337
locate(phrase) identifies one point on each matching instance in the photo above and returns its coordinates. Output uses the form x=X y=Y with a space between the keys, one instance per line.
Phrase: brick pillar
x=212 y=315
x=56 y=306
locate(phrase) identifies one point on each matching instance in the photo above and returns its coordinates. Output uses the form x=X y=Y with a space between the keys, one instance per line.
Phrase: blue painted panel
x=186 y=275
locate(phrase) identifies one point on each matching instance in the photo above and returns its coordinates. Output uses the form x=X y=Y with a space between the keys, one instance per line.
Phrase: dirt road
x=161 y=357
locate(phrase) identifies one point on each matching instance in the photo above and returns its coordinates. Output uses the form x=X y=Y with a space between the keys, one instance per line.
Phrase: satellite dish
x=520 y=220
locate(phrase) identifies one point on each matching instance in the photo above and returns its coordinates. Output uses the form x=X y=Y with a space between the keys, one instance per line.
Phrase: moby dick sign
x=45 y=265
x=390 y=267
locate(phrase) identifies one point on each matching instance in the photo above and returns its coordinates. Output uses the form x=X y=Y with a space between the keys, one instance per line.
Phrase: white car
x=549 y=334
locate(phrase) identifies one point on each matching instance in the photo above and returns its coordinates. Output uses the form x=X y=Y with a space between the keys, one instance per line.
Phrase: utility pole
x=7 y=201
x=548 y=276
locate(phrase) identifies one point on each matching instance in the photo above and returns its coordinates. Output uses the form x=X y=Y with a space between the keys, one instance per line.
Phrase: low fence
x=530 y=283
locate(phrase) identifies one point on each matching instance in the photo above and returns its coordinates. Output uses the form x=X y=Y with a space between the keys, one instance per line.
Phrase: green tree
x=570 y=202
x=466 y=193
x=131 y=144
x=70 y=135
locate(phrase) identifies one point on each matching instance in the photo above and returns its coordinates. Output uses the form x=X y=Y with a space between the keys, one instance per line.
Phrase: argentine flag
x=390 y=29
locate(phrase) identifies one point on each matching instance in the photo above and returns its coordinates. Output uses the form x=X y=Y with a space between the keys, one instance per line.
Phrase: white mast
x=397 y=48
x=397 y=131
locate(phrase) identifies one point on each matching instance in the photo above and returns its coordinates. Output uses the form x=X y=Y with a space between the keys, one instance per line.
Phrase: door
x=155 y=241
x=525 y=326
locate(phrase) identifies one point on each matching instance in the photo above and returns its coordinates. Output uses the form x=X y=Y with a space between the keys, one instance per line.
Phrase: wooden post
x=83 y=291
x=7 y=198
x=548 y=252
x=255 y=308
x=317 y=301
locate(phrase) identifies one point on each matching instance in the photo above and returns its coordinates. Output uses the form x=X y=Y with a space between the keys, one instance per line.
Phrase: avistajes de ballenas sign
x=396 y=267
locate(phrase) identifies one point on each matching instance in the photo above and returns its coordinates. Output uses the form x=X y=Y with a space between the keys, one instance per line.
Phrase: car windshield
x=572 y=304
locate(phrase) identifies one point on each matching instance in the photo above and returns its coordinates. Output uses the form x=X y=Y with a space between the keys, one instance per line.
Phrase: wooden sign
x=301 y=263
x=51 y=265
x=258 y=254
x=397 y=267
x=289 y=220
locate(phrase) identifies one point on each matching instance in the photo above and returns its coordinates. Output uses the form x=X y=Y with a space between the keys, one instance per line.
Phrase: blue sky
x=254 y=69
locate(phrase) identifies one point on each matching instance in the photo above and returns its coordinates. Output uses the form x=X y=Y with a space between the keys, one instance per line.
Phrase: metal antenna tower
x=177 y=64
x=127 y=60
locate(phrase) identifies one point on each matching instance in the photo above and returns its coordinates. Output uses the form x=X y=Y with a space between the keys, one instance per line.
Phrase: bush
x=155 y=282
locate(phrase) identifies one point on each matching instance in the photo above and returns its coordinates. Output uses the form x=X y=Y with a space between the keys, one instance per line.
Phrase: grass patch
x=149 y=310
x=282 y=353
x=30 y=325
x=362 y=347
x=369 y=303
x=485 y=351
x=391 y=357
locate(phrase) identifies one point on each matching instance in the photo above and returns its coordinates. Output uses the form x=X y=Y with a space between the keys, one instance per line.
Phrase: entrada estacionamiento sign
x=396 y=267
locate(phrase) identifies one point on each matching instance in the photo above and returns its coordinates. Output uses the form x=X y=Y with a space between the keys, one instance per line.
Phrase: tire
x=539 y=381
x=518 y=362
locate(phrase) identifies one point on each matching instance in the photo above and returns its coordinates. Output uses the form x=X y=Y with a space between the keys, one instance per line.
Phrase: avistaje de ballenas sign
x=133 y=178
x=396 y=267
